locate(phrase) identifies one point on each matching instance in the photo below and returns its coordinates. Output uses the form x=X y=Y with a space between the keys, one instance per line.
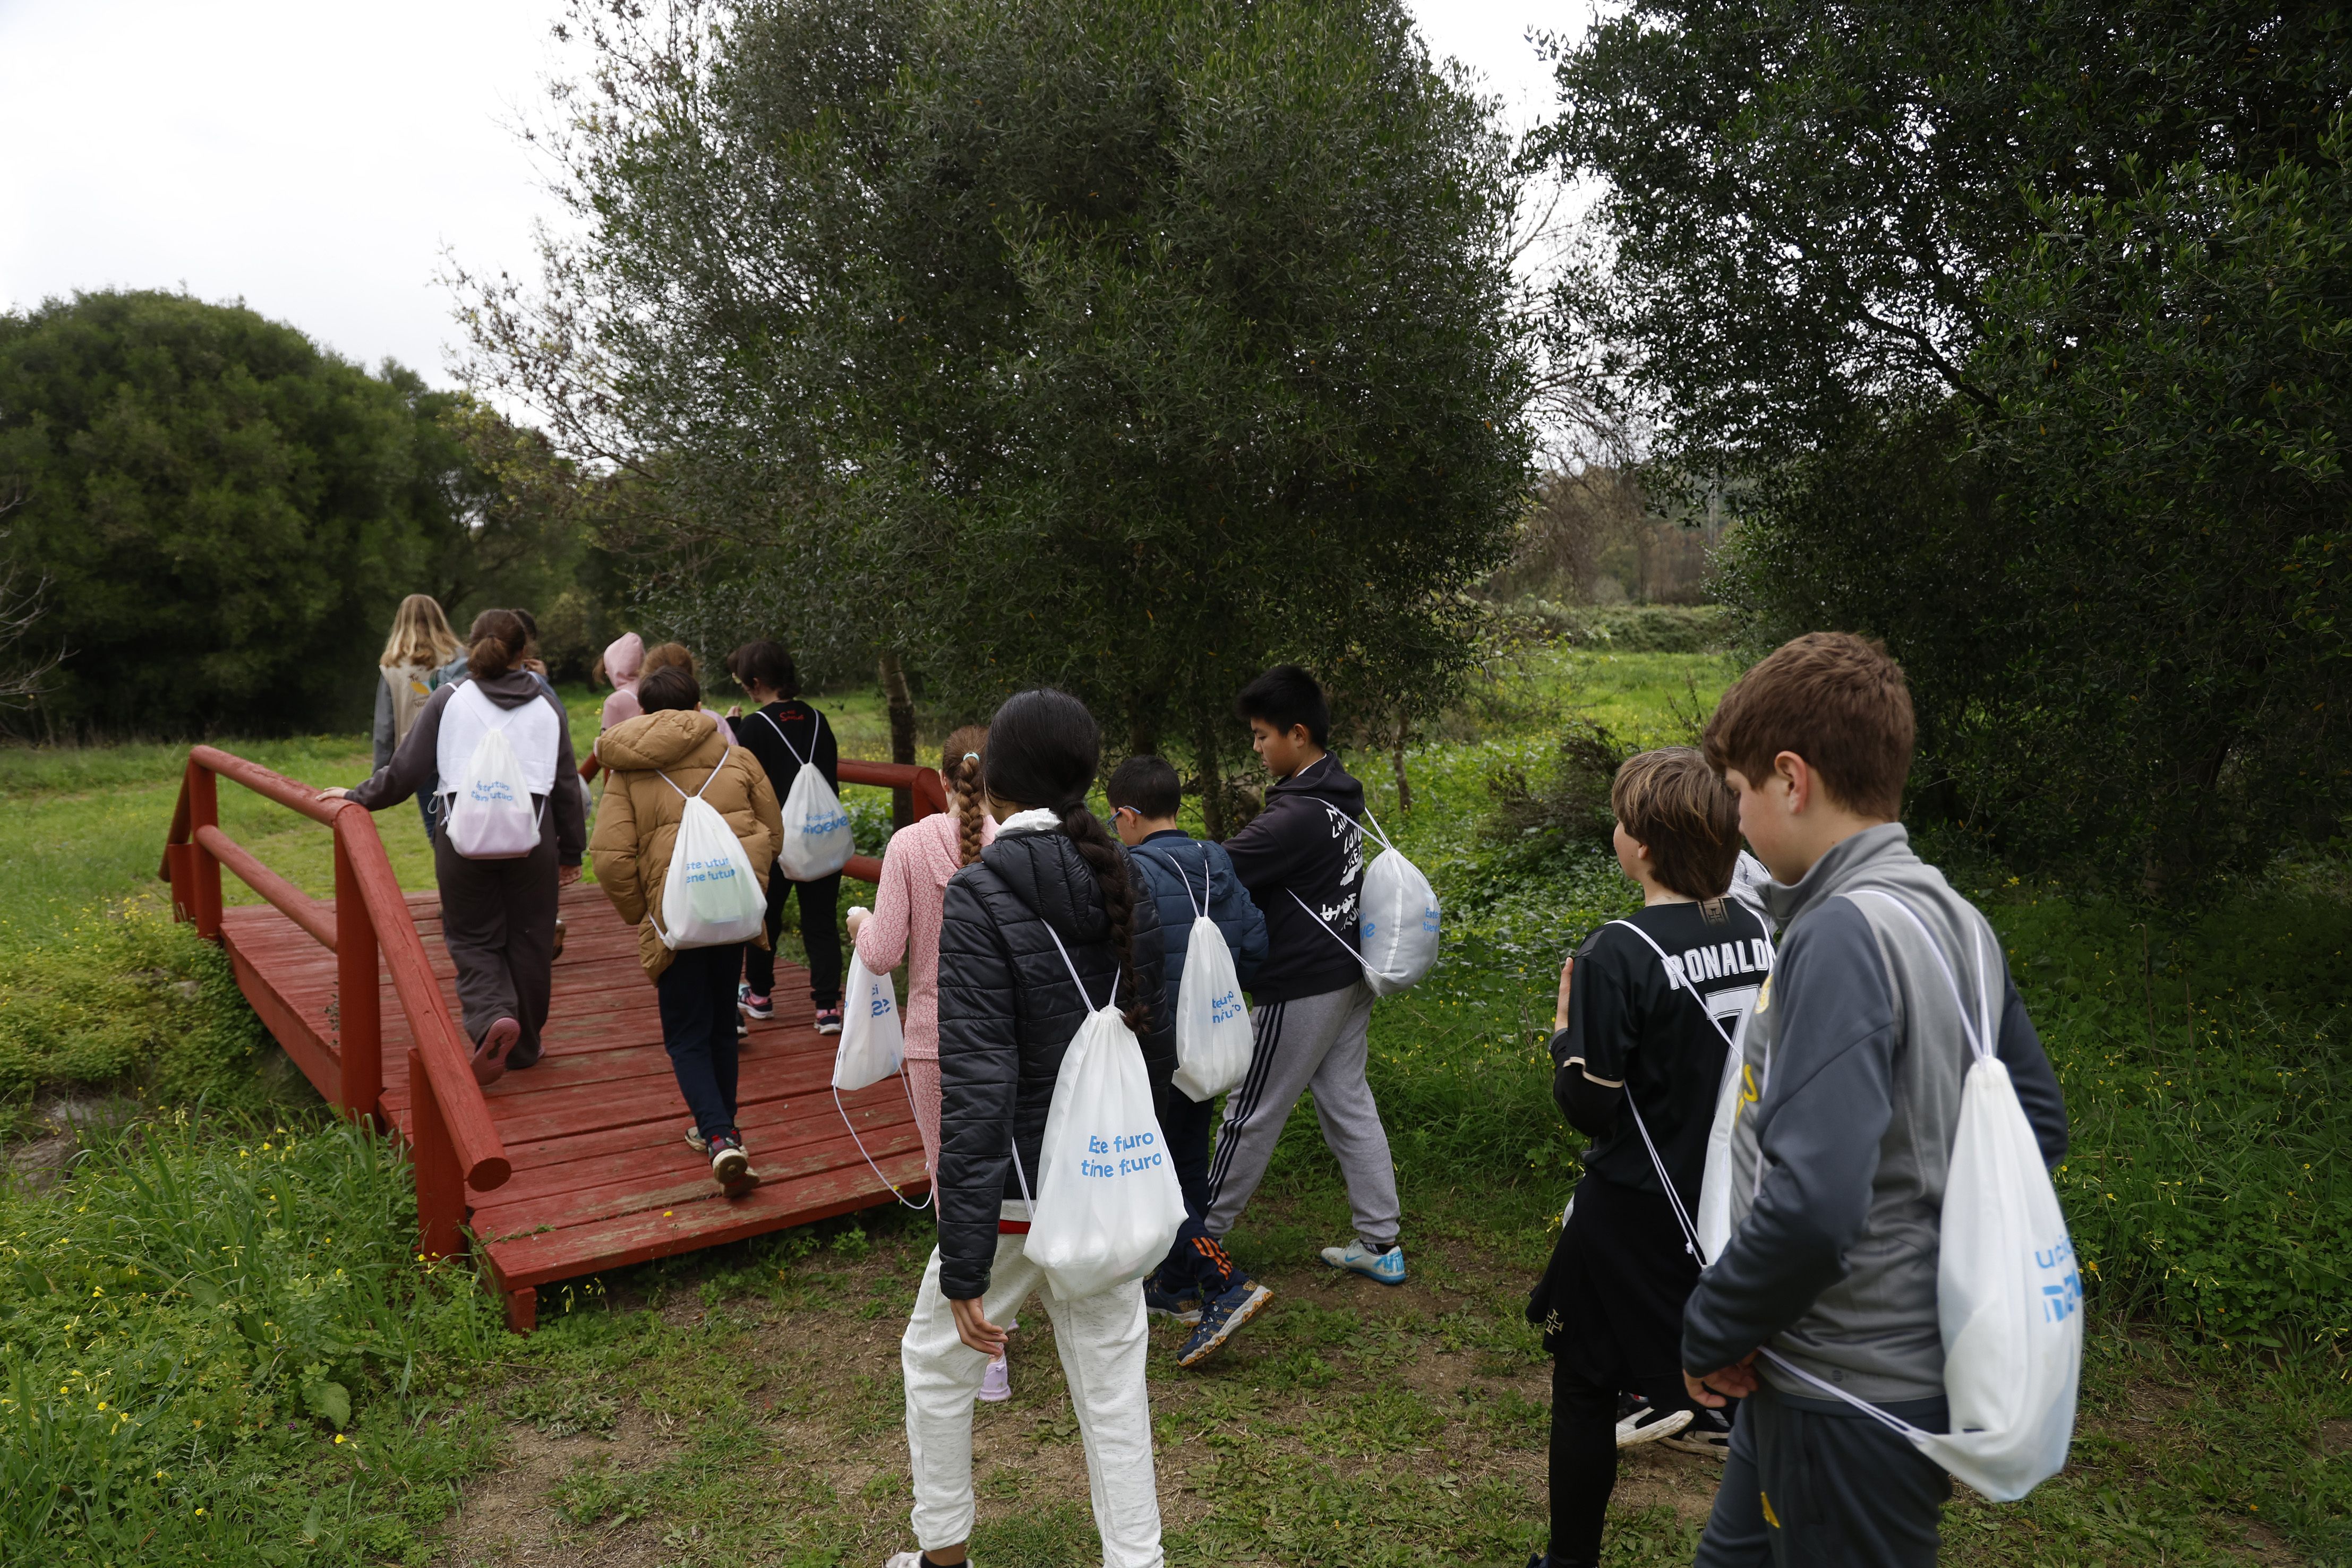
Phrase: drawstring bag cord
x=885 y=1181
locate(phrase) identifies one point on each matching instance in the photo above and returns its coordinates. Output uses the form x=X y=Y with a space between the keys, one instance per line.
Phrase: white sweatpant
x=1102 y=1339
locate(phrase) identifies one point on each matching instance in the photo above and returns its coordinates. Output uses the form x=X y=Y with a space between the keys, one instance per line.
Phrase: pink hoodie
x=909 y=904
x=623 y=659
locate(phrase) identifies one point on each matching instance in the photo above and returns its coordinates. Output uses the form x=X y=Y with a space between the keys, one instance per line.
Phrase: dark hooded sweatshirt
x=415 y=765
x=1306 y=849
x=1008 y=1010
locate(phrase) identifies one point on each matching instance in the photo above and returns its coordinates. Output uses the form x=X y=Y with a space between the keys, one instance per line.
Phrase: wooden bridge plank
x=602 y=1176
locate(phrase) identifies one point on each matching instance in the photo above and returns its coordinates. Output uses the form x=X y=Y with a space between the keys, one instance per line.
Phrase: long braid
x=960 y=765
x=1110 y=865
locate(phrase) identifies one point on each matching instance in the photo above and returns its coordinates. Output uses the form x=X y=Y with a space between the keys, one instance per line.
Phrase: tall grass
x=221 y=1346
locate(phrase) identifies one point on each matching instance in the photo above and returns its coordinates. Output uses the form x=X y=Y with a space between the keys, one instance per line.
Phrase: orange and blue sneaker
x=1220 y=1318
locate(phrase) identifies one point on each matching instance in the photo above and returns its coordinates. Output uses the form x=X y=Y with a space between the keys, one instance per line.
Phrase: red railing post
x=359 y=1006
x=440 y=1183
x=203 y=811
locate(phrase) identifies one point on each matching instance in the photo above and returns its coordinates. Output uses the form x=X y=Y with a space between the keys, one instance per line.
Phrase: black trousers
x=1195 y=1261
x=819 y=934
x=1584 y=1452
x=1813 y=1484
x=697 y=993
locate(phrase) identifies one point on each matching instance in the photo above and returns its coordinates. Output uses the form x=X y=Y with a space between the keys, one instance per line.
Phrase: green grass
x=742 y=1405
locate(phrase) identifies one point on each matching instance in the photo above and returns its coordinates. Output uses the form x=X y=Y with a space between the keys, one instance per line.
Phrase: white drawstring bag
x=818 y=841
x=490 y=816
x=873 y=1047
x=1212 y=1027
x=2009 y=1300
x=1107 y=1208
x=710 y=897
x=1397 y=933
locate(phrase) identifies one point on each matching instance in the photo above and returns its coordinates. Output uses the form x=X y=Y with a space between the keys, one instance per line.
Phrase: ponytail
x=1108 y=863
x=496 y=643
x=960 y=768
x=1044 y=748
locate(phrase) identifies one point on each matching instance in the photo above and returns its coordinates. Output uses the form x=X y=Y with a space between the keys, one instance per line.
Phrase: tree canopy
x=1128 y=349
x=222 y=517
x=2018 y=330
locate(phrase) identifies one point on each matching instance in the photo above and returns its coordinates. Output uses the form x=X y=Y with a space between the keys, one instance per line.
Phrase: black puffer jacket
x=1007 y=1011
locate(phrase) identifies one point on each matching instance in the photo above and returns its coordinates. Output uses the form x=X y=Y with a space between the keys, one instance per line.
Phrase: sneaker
x=1220 y=1318
x=491 y=1056
x=559 y=938
x=730 y=1168
x=1185 y=1306
x=751 y=1004
x=697 y=1141
x=1388 y=1267
x=1708 y=1435
x=828 y=1021
x=1646 y=1426
x=912 y=1560
x=996 y=1383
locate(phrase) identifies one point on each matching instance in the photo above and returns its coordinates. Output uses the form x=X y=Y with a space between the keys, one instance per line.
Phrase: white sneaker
x=1355 y=1257
x=996 y=1386
x=1646 y=1426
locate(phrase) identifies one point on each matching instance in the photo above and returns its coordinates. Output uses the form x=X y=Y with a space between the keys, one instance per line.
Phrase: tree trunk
x=902 y=733
x=1211 y=785
x=1396 y=758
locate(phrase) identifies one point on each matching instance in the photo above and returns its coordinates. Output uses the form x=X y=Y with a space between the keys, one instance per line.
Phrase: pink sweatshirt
x=907 y=907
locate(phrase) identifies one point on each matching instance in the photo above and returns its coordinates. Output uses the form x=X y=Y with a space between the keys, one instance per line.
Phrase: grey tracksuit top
x=1853 y=1062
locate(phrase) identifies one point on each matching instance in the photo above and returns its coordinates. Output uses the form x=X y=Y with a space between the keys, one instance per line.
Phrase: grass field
x=218 y=1348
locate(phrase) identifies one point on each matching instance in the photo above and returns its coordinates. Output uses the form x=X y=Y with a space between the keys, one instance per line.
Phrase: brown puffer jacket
x=636 y=823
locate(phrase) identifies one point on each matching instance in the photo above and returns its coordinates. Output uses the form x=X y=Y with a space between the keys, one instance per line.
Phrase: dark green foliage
x=1567 y=805
x=2023 y=330
x=1127 y=349
x=215 y=503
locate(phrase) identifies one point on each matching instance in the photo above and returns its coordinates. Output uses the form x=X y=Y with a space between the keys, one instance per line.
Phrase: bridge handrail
x=455 y=1137
x=926 y=793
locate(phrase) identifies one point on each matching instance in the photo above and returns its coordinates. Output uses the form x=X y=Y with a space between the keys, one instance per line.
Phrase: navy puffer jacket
x=1008 y=1011
x=1173 y=862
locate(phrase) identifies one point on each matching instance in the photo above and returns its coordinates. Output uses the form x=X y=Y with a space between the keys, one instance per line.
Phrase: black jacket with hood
x=1008 y=1011
x=1306 y=846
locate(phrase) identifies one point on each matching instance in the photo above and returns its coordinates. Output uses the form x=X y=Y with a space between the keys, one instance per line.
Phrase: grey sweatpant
x=498 y=918
x=1813 y=1483
x=1318 y=1042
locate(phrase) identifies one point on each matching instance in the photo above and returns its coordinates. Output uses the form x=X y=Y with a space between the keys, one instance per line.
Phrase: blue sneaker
x=1387 y=1268
x=1220 y=1318
x=1185 y=1306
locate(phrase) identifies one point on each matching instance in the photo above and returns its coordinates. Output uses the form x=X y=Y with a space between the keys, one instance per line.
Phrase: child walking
x=420 y=645
x=1302 y=859
x=1053 y=884
x=1610 y=1303
x=904 y=925
x=1198 y=1284
x=1839 y=1154
x=657 y=761
x=787 y=735
x=498 y=916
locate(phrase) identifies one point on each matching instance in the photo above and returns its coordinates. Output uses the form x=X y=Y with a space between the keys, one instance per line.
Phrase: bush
x=1633 y=627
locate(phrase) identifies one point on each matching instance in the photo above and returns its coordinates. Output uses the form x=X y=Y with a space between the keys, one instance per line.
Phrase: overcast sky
x=315 y=158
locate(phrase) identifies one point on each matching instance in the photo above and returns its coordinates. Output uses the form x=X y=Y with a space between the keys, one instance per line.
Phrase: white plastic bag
x=490 y=815
x=1107 y=1207
x=817 y=840
x=710 y=897
x=1397 y=924
x=1212 y=1027
x=872 y=1042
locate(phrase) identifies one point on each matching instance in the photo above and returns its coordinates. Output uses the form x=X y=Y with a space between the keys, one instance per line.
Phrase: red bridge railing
x=454 y=1145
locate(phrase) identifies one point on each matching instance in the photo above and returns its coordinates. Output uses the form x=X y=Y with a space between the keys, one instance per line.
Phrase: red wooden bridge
x=574 y=1164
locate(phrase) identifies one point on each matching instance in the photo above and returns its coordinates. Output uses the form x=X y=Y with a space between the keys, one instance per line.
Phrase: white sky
x=314 y=157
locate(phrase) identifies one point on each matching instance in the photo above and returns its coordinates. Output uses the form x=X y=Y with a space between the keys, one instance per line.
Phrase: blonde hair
x=420 y=635
x=960 y=765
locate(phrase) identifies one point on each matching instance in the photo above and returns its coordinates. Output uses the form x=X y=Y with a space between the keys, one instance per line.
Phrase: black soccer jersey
x=1633 y=1028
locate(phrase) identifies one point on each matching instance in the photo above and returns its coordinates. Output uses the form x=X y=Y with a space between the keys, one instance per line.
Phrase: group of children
x=1016 y=909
